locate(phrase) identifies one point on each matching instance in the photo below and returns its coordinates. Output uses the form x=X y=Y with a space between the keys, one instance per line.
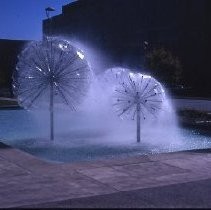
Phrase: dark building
x=9 y=50
x=118 y=28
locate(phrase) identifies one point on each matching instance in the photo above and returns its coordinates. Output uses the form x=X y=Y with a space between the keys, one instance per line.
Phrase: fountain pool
x=52 y=74
x=77 y=141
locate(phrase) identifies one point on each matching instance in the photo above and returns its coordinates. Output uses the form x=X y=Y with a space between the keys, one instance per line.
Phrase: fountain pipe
x=138 y=118
x=51 y=111
x=51 y=105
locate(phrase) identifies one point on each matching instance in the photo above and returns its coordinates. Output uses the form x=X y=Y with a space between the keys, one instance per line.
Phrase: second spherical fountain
x=138 y=95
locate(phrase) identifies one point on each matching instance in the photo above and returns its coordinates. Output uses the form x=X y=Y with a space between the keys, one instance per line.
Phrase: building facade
x=119 y=29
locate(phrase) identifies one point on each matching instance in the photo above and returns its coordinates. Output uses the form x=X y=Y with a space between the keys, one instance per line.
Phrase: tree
x=4 y=78
x=164 y=66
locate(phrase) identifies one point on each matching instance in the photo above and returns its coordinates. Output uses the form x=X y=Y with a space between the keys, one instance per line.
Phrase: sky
x=22 y=19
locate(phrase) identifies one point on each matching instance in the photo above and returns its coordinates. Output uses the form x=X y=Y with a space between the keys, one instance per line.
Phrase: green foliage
x=166 y=67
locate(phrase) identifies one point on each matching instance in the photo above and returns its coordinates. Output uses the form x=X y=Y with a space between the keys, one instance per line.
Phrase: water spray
x=52 y=70
x=136 y=96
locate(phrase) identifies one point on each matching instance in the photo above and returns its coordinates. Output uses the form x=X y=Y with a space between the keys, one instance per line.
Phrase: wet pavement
x=180 y=179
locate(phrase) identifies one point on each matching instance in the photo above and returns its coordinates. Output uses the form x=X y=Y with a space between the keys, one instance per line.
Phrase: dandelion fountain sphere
x=142 y=98
x=138 y=95
x=51 y=72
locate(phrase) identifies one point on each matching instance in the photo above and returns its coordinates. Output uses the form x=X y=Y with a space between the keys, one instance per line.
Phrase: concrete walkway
x=140 y=181
x=186 y=195
x=201 y=104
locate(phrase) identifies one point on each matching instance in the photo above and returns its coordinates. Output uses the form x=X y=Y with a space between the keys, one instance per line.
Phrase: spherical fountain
x=48 y=73
x=138 y=95
x=142 y=98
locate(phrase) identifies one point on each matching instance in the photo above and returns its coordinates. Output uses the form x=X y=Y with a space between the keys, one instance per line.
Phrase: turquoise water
x=29 y=132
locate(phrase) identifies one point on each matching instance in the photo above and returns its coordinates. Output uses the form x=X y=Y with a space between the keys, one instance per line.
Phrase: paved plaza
x=162 y=180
